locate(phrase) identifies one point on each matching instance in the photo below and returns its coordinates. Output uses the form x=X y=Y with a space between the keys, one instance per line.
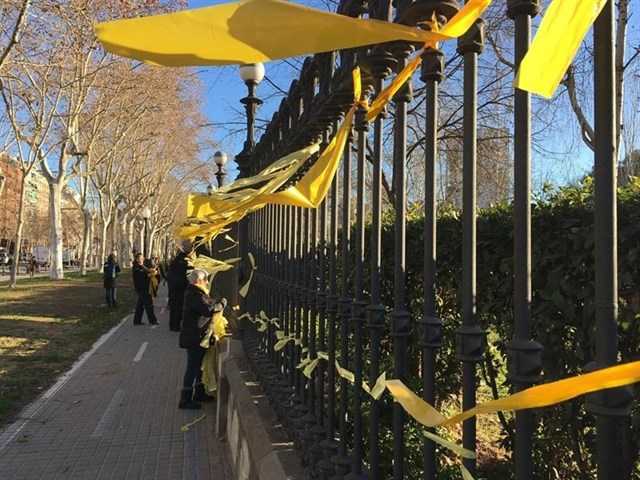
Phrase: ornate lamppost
x=220 y=159
x=251 y=75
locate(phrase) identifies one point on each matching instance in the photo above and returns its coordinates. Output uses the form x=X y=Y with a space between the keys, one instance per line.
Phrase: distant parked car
x=41 y=255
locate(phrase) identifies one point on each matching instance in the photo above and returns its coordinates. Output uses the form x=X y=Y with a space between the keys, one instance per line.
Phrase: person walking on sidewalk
x=199 y=308
x=177 y=281
x=110 y=271
x=141 y=283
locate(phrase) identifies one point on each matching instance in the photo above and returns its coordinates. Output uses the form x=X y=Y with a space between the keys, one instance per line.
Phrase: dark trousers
x=176 y=304
x=145 y=302
x=193 y=373
x=110 y=294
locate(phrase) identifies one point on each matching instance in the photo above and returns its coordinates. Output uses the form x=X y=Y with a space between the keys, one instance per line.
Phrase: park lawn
x=45 y=326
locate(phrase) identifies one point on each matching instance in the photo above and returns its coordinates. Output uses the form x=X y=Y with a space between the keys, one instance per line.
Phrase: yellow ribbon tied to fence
x=231 y=34
x=251 y=31
x=535 y=397
x=244 y=290
x=562 y=30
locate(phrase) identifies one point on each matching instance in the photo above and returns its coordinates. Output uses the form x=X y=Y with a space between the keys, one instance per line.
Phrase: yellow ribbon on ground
x=535 y=397
x=187 y=426
x=562 y=30
x=252 y=31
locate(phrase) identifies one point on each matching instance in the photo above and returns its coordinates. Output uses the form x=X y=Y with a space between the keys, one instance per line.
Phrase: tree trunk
x=141 y=240
x=86 y=242
x=123 y=247
x=103 y=243
x=621 y=44
x=56 y=271
x=151 y=240
x=91 y=245
x=18 y=237
x=114 y=231
x=130 y=240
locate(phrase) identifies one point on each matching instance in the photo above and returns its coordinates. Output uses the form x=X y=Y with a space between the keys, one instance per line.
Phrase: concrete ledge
x=258 y=448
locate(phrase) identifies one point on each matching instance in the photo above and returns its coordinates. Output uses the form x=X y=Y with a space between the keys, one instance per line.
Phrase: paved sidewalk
x=117 y=418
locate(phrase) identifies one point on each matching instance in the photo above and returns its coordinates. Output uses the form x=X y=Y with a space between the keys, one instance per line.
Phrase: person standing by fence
x=110 y=271
x=177 y=281
x=142 y=284
x=199 y=308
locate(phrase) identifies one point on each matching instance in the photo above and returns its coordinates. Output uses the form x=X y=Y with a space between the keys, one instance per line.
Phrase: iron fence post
x=611 y=407
x=525 y=355
x=341 y=460
x=470 y=337
x=432 y=74
x=401 y=323
x=382 y=61
x=359 y=303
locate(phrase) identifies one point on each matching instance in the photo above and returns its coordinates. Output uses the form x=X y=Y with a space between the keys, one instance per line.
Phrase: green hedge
x=562 y=320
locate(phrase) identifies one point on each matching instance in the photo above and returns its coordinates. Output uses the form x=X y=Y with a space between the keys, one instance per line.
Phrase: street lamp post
x=251 y=75
x=146 y=215
x=220 y=159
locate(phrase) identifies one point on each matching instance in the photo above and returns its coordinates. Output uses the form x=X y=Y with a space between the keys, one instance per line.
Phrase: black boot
x=200 y=394
x=186 y=400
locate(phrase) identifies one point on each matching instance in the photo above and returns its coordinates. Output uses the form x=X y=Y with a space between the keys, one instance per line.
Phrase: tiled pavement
x=116 y=417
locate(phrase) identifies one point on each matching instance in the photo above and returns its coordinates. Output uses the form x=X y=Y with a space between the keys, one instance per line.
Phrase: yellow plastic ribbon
x=303 y=363
x=379 y=387
x=244 y=290
x=344 y=373
x=187 y=426
x=210 y=370
x=311 y=366
x=387 y=94
x=248 y=31
x=562 y=30
x=282 y=342
x=454 y=447
x=211 y=265
x=535 y=397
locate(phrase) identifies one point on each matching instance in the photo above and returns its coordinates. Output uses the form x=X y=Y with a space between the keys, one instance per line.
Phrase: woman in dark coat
x=199 y=308
x=110 y=272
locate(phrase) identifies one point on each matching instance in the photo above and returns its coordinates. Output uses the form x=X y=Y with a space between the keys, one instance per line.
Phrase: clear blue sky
x=223 y=90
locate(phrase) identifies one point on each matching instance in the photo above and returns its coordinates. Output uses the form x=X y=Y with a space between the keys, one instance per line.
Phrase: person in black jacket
x=177 y=282
x=141 y=283
x=110 y=271
x=199 y=308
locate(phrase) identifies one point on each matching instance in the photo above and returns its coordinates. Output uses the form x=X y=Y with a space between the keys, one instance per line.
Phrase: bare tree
x=13 y=21
x=30 y=105
x=578 y=81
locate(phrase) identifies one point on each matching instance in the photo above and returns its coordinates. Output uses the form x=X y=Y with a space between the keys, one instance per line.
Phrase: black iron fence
x=312 y=273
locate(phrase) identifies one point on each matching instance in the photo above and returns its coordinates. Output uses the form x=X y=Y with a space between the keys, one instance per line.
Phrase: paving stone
x=116 y=418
